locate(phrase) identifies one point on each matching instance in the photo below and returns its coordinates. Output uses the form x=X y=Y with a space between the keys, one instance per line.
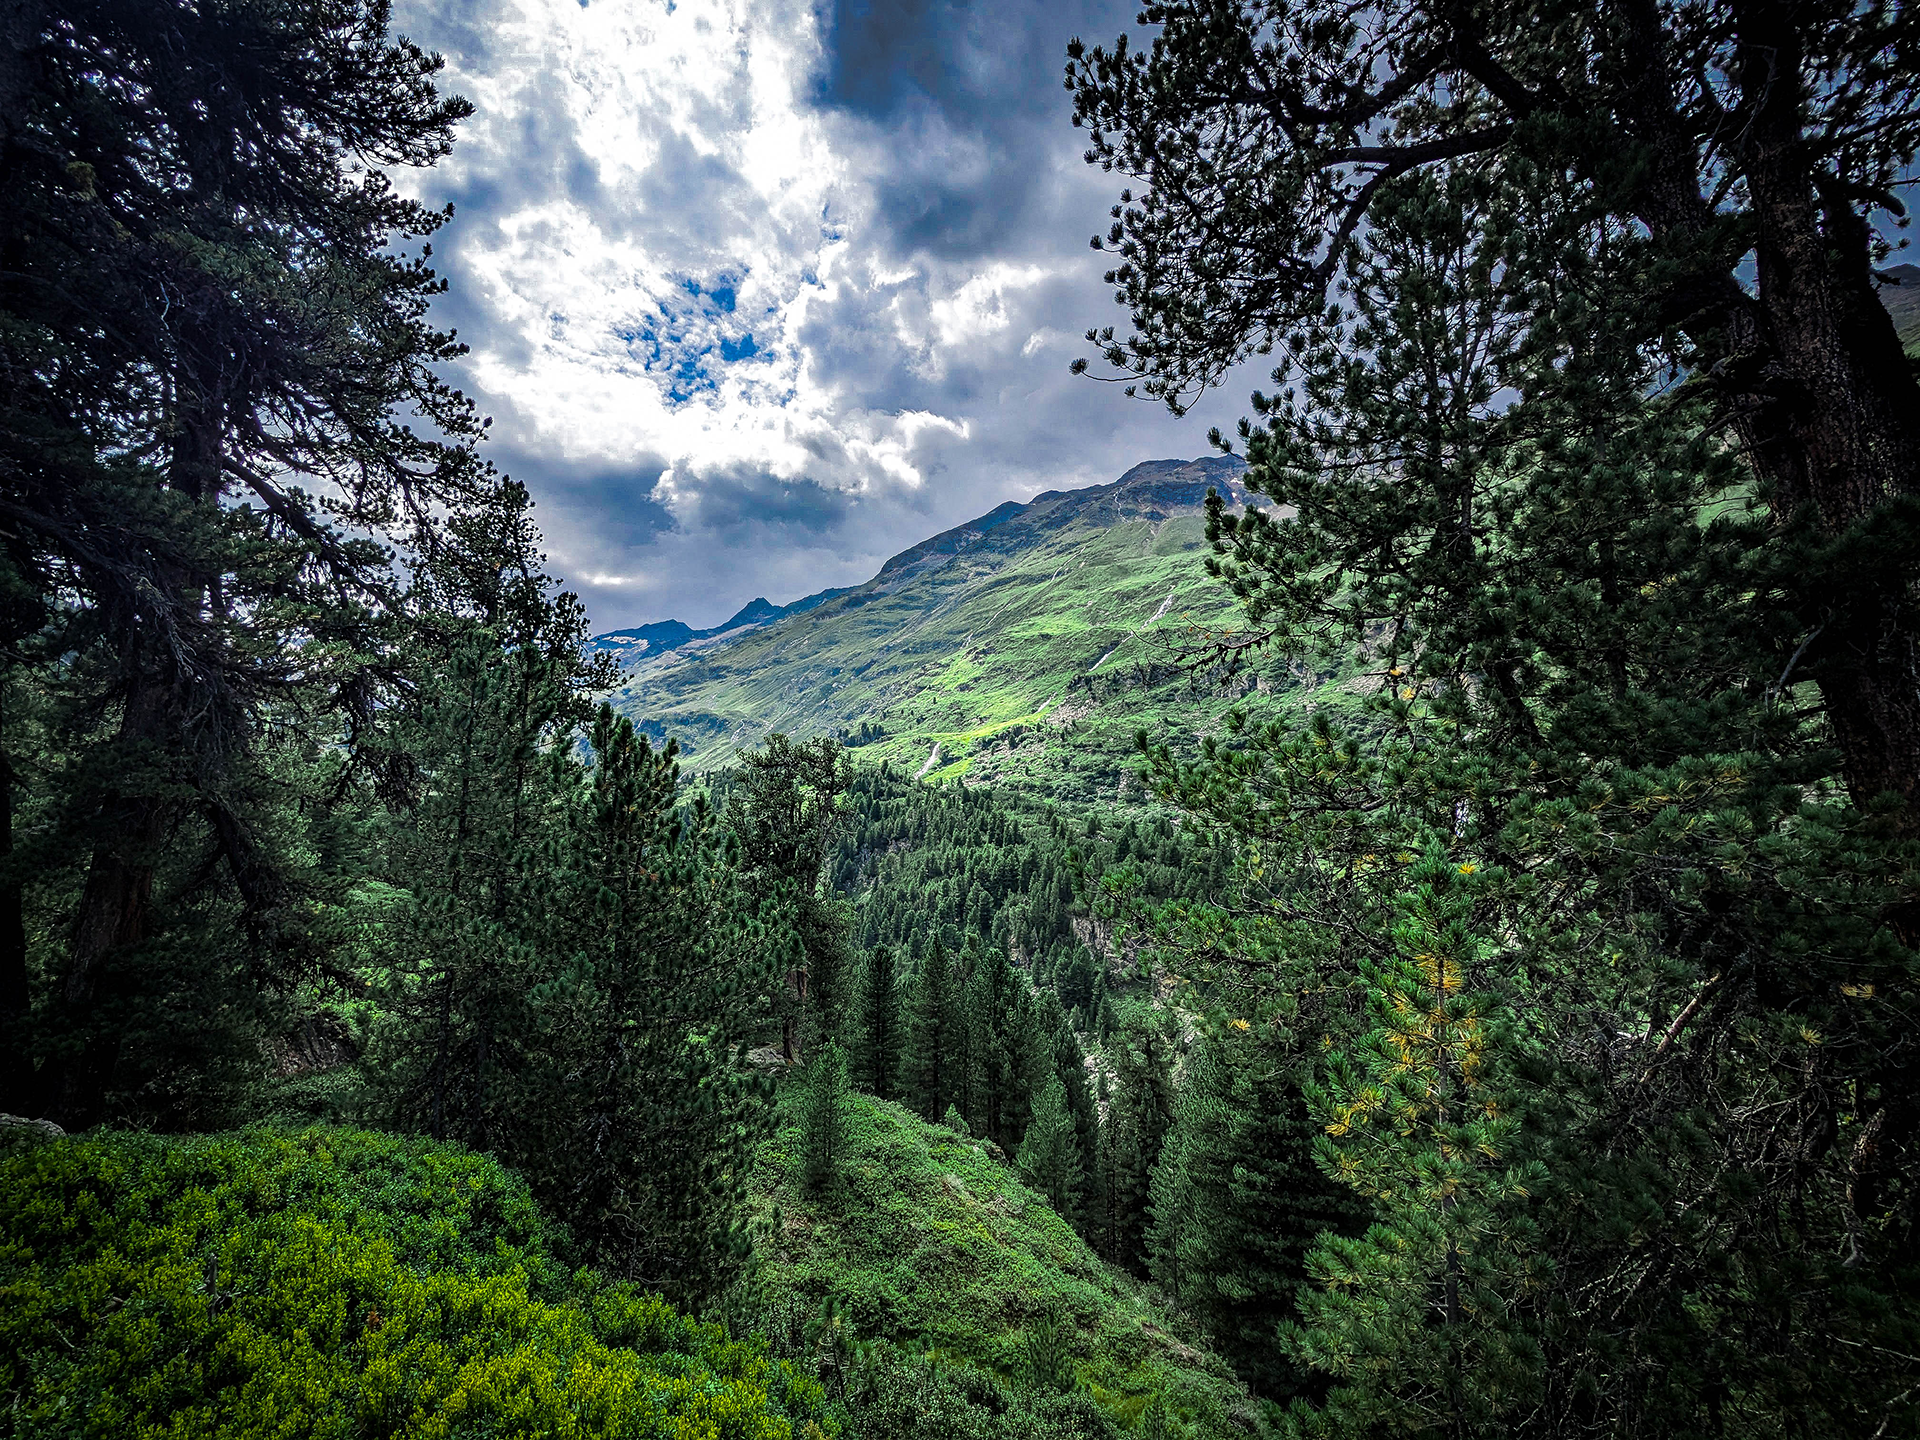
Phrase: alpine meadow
x=1403 y=921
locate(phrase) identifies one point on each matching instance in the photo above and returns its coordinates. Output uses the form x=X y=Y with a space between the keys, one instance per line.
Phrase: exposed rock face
x=14 y=1124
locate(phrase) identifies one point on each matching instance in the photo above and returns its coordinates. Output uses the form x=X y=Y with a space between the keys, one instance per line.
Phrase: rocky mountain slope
x=995 y=651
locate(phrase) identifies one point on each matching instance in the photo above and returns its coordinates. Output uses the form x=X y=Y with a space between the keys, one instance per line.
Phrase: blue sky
x=761 y=293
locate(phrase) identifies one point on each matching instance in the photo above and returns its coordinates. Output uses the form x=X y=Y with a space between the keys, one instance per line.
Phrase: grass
x=933 y=1243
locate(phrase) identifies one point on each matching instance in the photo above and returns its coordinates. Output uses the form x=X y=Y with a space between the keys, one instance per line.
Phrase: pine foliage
x=1238 y=1199
x=823 y=1120
x=1049 y=1157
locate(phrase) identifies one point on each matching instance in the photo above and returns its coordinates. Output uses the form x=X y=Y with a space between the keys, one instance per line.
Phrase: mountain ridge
x=1005 y=643
x=658 y=636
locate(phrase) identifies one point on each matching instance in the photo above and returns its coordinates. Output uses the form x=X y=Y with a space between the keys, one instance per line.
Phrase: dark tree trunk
x=115 y=911
x=1845 y=426
x=1829 y=409
x=18 y=1093
x=181 y=714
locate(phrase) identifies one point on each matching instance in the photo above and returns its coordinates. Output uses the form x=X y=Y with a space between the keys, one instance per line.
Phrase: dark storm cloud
x=971 y=99
x=736 y=500
x=612 y=504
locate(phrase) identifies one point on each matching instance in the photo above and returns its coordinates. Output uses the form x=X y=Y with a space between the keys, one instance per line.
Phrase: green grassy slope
x=1017 y=644
x=1903 y=303
x=934 y=1242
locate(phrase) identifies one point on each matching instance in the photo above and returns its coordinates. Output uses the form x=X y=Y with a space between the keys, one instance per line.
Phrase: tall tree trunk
x=1845 y=445
x=179 y=714
x=115 y=911
x=18 y=1093
x=1830 y=408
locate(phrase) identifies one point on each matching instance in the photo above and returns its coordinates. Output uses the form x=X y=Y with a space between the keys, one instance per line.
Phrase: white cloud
x=693 y=300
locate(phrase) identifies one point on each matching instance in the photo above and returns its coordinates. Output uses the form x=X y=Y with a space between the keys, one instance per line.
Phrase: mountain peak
x=754 y=612
x=992 y=649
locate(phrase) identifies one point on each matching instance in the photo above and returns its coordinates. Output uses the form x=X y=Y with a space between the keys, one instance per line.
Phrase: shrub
x=335 y=1284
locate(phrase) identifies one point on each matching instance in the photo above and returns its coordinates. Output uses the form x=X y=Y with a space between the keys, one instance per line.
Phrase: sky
x=761 y=293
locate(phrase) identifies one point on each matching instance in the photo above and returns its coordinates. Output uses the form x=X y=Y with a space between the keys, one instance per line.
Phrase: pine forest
x=1406 y=924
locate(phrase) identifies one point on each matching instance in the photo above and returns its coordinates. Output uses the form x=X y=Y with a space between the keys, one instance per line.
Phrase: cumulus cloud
x=761 y=293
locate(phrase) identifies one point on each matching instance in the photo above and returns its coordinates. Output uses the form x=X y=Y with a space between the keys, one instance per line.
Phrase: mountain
x=1902 y=299
x=661 y=636
x=1023 y=647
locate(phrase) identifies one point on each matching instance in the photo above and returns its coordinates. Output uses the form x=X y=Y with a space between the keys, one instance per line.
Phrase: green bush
x=336 y=1284
x=902 y=1397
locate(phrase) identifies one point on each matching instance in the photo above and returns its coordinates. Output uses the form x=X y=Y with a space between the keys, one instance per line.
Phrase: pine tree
x=1138 y=1118
x=1046 y=1355
x=932 y=1018
x=824 y=1120
x=999 y=1048
x=638 y=1111
x=1060 y=1046
x=1421 y=1120
x=786 y=810
x=878 y=1059
x=216 y=308
x=1238 y=1200
x=1049 y=1157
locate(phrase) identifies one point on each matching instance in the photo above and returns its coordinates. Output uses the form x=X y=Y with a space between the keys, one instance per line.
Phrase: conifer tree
x=1061 y=1047
x=214 y=309
x=786 y=810
x=931 y=1050
x=1421 y=1121
x=878 y=1059
x=1049 y=1157
x=1046 y=1359
x=823 y=1120
x=1138 y=1118
x=999 y=1047
x=1554 y=476
x=1238 y=1199
x=638 y=1111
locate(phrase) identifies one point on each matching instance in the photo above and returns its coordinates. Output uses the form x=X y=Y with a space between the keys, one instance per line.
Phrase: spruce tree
x=1138 y=1119
x=1049 y=1157
x=824 y=1120
x=1000 y=1048
x=877 y=1061
x=1238 y=1199
x=932 y=1018
x=1061 y=1048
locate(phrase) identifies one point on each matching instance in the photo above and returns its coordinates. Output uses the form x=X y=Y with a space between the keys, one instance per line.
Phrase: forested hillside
x=1411 y=932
